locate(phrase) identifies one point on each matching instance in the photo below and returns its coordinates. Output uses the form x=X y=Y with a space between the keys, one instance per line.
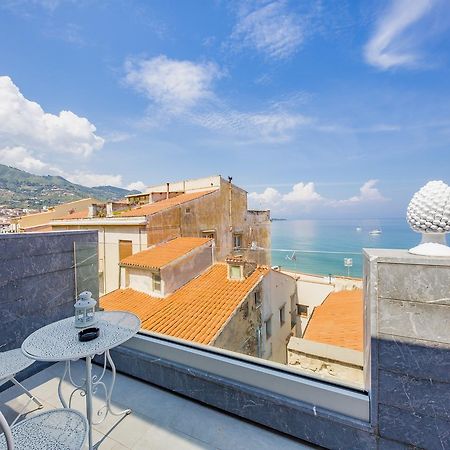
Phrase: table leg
x=89 y=398
x=61 y=379
x=113 y=371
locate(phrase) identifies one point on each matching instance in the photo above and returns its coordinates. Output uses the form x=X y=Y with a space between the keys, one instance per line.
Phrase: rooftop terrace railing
x=262 y=316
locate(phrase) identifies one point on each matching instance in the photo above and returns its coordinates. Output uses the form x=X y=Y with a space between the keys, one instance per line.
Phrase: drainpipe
x=229 y=203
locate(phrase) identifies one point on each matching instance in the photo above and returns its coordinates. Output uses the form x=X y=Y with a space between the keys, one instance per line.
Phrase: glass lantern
x=85 y=310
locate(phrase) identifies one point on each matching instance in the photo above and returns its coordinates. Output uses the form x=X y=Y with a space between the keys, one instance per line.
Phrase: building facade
x=209 y=207
x=178 y=290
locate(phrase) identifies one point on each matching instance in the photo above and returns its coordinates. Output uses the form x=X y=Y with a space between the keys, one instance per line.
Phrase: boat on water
x=375 y=232
x=358 y=228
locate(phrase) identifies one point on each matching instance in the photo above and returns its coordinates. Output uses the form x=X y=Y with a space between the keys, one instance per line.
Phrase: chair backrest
x=7 y=430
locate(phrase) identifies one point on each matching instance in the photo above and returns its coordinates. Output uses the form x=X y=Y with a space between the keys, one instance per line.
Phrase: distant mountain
x=20 y=189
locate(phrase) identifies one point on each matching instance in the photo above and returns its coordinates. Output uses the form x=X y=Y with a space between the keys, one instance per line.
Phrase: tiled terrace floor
x=160 y=420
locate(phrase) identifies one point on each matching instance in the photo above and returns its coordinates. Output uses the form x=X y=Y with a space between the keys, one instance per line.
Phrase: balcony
x=160 y=419
x=187 y=394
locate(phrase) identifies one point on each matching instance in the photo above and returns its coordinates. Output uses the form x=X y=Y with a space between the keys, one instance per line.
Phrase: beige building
x=332 y=343
x=177 y=290
x=41 y=221
x=208 y=207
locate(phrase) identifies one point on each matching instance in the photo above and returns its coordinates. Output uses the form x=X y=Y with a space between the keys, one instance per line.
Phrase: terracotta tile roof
x=338 y=320
x=163 y=254
x=152 y=208
x=196 y=312
x=83 y=214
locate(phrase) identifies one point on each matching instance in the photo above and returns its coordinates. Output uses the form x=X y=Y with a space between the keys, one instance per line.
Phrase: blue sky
x=317 y=108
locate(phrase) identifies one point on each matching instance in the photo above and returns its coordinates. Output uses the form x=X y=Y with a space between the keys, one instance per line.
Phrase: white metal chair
x=58 y=429
x=11 y=363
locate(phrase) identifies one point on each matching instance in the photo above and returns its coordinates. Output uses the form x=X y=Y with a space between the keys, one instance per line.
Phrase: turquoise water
x=335 y=236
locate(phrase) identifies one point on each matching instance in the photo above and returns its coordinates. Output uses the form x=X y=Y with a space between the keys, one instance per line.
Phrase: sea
x=321 y=246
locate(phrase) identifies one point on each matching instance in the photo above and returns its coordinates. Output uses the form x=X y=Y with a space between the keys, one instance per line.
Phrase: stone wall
x=409 y=324
x=37 y=280
x=335 y=364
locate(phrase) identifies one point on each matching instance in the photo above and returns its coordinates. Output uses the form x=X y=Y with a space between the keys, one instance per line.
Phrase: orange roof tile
x=163 y=254
x=338 y=320
x=196 y=312
x=152 y=208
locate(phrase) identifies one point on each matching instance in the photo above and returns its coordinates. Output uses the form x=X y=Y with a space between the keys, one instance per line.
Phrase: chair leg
x=30 y=395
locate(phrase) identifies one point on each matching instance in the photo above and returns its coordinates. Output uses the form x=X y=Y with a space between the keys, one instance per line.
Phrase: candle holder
x=85 y=310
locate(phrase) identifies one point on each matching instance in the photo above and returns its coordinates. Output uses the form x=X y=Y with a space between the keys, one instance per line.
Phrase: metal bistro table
x=58 y=341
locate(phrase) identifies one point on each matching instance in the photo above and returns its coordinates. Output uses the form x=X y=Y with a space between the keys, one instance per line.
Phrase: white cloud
x=94 y=179
x=270 y=29
x=270 y=126
x=367 y=193
x=24 y=123
x=183 y=90
x=118 y=136
x=268 y=197
x=302 y=193
x=174 y=85
x=21 y=158
x=391 y=45
x=137 y=186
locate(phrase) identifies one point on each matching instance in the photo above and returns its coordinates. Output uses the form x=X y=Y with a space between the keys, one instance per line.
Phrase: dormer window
x=234 y=272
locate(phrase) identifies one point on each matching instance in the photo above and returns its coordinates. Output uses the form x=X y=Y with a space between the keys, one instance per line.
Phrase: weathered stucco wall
x=137 y=279
x=336 y=364
x=164 y=225
x=241 y=332
x=184 y=269
x=277 y=291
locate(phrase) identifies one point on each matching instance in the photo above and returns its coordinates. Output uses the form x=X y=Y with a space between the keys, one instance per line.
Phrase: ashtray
x=88 y=334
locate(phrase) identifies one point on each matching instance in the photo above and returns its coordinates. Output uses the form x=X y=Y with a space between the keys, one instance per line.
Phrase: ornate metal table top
x=58 y=341
x=12 y=362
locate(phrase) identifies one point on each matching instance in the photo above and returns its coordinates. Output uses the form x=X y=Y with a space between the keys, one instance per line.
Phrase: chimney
x=92 y=211
x=109 y=209
x=167 y=190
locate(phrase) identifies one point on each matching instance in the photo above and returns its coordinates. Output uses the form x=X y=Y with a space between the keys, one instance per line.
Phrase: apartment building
x=40 y=221
x=210 y=207
x=178 y=290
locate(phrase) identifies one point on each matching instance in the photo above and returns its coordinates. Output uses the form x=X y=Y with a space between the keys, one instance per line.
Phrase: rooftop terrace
x=159 y=419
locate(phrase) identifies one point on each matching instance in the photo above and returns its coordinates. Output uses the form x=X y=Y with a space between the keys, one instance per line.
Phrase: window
x=237 y=240
x=257 y=299
x=268 y=324
x=235 y=272
x=125 y=249
x=302 y=310
x=187 y=210
x=156 y=282
x=282 y=315
x=209 y=234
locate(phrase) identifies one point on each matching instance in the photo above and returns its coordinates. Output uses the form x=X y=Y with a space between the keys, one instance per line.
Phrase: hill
x=20 y=189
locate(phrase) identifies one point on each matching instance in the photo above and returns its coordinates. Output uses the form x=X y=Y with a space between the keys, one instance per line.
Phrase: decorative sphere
x=428 y=211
